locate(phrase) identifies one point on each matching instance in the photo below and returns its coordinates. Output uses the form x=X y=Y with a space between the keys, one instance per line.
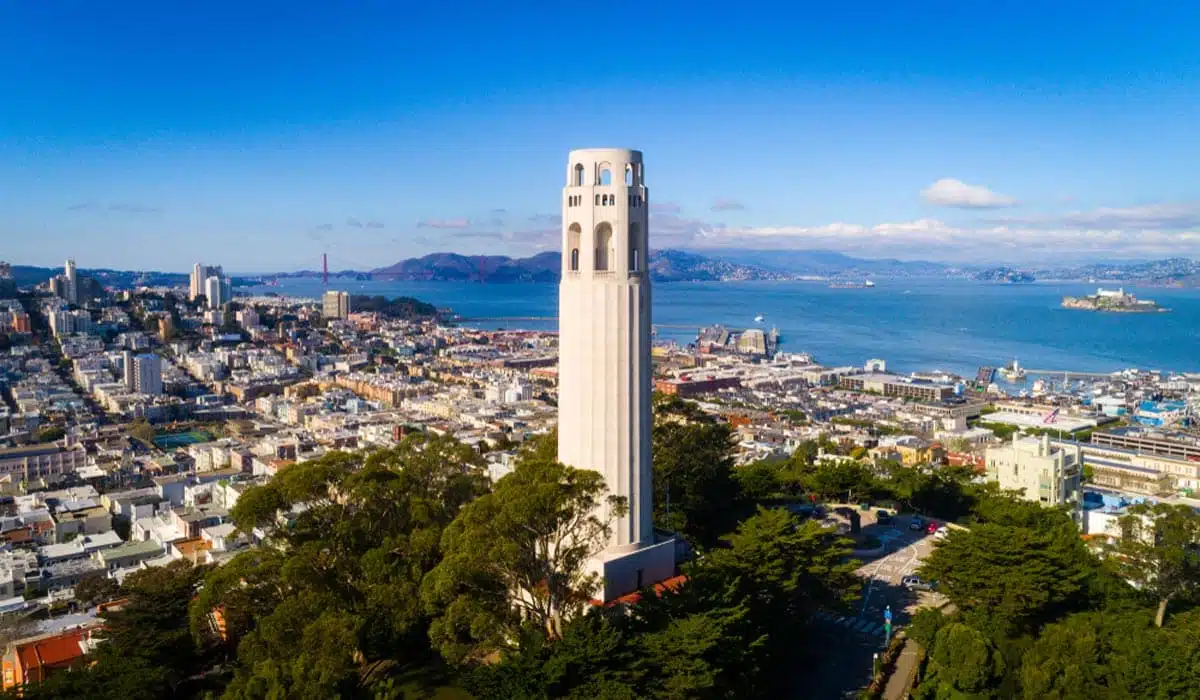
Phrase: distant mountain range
x=664 y=266
x=828 y=263
x=685 y=266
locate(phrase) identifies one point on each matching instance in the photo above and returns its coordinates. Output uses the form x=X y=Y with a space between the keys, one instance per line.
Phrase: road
x=849 y=641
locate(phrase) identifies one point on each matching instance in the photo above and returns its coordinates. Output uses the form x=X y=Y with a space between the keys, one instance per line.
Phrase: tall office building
x=218 y=291
x=147 y=374
x=604 y=416
x=71 y=287
x=200 y=275
x=335 y=304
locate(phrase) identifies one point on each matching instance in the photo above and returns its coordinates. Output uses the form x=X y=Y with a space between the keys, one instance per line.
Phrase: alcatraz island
x=1112 y=300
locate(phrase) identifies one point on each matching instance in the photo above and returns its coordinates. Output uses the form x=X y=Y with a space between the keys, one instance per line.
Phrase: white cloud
x=949 y=192
x=931 y=239
x=1181 y=215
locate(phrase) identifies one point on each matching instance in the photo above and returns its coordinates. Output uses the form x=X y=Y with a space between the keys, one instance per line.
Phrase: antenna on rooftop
x=325 y=269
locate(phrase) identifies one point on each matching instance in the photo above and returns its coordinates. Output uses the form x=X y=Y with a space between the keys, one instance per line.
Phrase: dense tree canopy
x=731 y=631
x=338 y=586
x=517 y=557
x=1160 y=552
x=1010 y=578
x=695 y=493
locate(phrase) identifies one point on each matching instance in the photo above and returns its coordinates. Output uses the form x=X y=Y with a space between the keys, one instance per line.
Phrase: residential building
x=1045 y=472
x=200 y=275
x=147 y=374
x=71 y=286
x=34 y=659
x=335 y=304
x=248 y=318
x=127 y=370
x=129 y=554
x=50 y=461
x=218 y=291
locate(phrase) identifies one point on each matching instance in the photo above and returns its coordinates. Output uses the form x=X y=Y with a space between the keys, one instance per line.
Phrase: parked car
x=916 y=524
x=882 y=516
x=941 y=533
x=915 y=583
x=931 y=528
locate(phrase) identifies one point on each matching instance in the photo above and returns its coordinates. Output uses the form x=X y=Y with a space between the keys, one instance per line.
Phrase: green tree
x=843 y=479
x=96 y=589
x=1092 y=655
x=925 y=625
x=1012 y=579
x=758 y=481
x=964 y=663
x=141 y=430
x=776 y=571
x=517 y=557
x=695 y=493
x=337 y=588
x=806 y=453
x=1160 y=552
x=51 y=433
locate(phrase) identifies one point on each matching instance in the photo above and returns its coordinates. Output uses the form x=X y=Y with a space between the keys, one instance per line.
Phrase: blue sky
x=260 y=135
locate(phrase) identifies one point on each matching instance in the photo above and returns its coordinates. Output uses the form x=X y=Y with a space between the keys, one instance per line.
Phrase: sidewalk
x=900 y=681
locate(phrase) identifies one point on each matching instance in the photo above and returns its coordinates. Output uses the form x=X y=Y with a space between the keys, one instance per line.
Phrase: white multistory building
x=71 y=287
x=147 y=374
x=200 y=275
x=218 y=291
x=604 y=416
x=127 y=370
x=1045 y=472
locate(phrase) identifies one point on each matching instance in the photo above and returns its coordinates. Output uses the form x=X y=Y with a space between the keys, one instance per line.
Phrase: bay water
x=913 y=324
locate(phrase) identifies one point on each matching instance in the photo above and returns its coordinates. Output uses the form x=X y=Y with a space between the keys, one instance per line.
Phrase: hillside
x=665 y=266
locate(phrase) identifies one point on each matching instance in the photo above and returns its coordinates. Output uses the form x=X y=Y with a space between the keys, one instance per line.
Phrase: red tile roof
x=59 y=650
x=671 y=584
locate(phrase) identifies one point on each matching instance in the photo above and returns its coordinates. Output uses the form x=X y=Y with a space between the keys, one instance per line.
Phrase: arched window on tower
x=577 y=180
x=597 y=200
x=629 y=175
x=605 y=175
x=635 y=253
x=604 y=236
x=574 y=234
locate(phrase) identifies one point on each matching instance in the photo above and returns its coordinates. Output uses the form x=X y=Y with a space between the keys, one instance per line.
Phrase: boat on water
x=759 y=318
x=868 y=284
x=1013 y=372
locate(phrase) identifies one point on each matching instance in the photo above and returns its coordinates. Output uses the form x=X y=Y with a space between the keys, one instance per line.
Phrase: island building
x=604 y=415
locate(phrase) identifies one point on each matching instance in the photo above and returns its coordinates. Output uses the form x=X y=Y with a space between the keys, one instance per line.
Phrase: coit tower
x=604 y=417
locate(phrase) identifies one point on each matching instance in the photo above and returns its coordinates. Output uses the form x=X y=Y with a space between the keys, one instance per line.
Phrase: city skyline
x=148 y=139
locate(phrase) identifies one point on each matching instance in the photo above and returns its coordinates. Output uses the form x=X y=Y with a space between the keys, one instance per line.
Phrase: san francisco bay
x=914 y=324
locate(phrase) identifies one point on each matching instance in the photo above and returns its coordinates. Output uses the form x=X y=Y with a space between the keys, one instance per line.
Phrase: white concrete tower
x=604 y=379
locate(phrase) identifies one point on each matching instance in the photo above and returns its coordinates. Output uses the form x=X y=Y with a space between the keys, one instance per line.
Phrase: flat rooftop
x=1067 y=424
